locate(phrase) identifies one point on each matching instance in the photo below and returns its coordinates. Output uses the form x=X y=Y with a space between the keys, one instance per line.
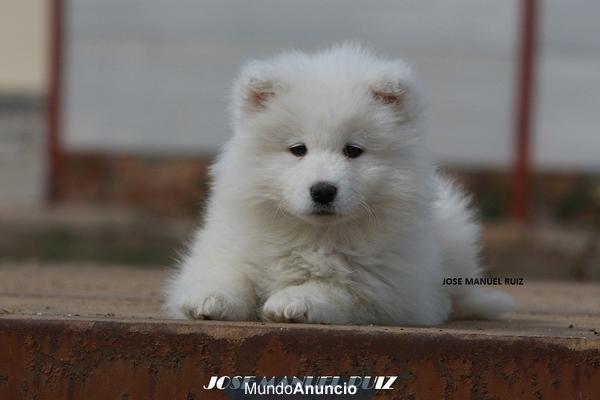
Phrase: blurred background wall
x=145 y=85
x=153 y=76
x=23 y=30
x=23 y=78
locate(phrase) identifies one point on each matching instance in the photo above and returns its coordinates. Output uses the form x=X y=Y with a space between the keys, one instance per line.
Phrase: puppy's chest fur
x=337 y=265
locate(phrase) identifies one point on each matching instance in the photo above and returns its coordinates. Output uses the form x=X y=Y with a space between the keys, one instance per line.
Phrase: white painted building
x=153 y=76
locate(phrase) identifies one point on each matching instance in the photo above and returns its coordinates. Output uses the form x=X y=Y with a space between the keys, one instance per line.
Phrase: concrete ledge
x=93 y=359
x=97 y=332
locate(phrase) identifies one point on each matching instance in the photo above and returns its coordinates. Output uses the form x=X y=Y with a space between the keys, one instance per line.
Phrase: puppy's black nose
x=323 y=192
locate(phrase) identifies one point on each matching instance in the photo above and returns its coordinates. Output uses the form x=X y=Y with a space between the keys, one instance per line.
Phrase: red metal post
x=54 y=98
x=521 y=202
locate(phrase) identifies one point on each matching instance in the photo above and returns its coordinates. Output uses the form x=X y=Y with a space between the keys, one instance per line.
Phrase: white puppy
x=326 y=207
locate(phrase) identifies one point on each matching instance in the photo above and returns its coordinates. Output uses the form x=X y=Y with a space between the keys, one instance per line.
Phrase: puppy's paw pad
x=286 y=310
x=214 y=306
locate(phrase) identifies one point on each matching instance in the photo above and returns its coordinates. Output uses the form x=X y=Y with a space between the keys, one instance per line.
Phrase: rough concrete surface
x=553 y=309
x=98 y=332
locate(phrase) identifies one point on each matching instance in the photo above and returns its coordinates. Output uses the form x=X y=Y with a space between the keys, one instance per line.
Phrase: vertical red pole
x=54 y=98
x=521 y=202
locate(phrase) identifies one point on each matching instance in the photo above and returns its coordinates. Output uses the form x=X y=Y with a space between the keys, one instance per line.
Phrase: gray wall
x=153 y=75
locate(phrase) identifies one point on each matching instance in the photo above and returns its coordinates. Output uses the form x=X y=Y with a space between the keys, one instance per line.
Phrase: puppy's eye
x=353 y=151
x=298 y=150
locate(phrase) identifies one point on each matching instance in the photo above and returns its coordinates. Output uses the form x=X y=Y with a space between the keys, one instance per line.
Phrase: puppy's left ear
x=397 y=89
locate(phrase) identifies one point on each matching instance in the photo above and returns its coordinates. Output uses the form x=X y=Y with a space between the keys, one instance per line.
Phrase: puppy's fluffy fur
x=395 y=229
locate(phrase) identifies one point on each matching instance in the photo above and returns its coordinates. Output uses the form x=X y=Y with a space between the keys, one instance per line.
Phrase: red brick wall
x=161 y=185
x=177 y=186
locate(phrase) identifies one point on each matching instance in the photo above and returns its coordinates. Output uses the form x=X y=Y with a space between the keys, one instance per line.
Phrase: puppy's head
x=329 y=136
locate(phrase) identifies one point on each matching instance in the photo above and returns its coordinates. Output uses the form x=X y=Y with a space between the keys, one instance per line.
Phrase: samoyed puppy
x=326 y=206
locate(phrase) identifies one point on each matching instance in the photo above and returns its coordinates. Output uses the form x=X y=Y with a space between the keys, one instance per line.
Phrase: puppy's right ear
x=255 y=88
x=256 y=94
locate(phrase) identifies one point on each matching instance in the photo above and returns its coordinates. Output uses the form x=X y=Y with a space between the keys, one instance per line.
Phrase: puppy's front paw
x=216 y=305
x=213 y=306
x=313 y=303
x=282 y=307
